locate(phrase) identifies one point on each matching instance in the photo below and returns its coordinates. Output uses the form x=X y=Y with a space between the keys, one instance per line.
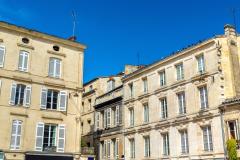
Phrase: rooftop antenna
x=234 y=17
x=74 y=22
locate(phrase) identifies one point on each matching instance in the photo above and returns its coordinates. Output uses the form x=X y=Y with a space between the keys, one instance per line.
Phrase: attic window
x=25 y=40
x=56 y=48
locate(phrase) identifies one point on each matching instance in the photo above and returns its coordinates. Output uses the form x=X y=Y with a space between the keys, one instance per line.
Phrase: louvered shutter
x=105 y=119
x=58 y=68
x=61 y=138
x=25 y=61
x=39 y=136
x=97 y=120
x=51 y=67
x=13 y=94
x=20 y=61
x=27 y=96
x=43 y=98
x=109 y=117
x=117 y=115
x=2 y=55
x=63 y=101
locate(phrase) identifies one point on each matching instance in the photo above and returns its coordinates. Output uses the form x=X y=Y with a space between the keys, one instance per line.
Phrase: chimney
x=72 y=38
x=230 y=30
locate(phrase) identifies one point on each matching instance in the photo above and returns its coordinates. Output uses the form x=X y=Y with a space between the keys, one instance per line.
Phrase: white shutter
x=109 y=117
x=51 y=67
x=105 y=119
x=2 y=55
x=58 y=68
x=25 y=61
x=13 y=94
x=20 y=61
x=61 y=138
x=39 y=136
x=27 y=96
x=117 y=115
x=43 y=98
x=97 y=120
x=16 y=134
x=63 y=101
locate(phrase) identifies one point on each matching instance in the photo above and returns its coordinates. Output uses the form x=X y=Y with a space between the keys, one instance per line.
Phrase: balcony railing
x=87 y=150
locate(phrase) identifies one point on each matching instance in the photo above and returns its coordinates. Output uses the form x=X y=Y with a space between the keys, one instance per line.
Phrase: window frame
x=162 y=78
x=181 y=103
x=54 y=74
x=163 y=108
x=3 y=48
x=203 y=93
x=184 y=142
x=24 y=54
x=207 y=143
x=145 y=113
x=147 y=145
x=179 y=72
x=201 y=68
x=132 y=148
x=166 y=147
x=17 y=134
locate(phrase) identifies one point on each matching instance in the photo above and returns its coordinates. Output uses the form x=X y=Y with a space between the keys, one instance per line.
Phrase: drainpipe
x=223 y=134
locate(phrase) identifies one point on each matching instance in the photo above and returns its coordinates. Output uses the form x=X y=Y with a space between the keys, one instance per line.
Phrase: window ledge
x=19 y=114
x=25 y=46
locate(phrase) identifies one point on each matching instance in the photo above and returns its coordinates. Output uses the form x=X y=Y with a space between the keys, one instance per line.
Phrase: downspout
x=223 y=134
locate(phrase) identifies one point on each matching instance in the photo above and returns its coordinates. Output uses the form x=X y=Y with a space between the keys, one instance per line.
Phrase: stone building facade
x=171 y=107
x=40 y=95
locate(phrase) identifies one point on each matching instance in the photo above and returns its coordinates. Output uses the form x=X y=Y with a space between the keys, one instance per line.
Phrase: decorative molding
x=19 y=114
x=25 y=46
x=1 y=40
x=22 y=79
x=51 y=117
x=56 y=53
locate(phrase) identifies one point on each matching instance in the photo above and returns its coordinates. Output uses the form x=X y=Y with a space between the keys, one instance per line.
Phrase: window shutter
x=58 y=68
x=117 y=115
x=105 y=119
x=20 y=61
x=97 y=120
x=51 y=67
x=13 y=94
x=44 y=98
x=63 y=101
x=109 y=117
x=25 y=64
x=27 y=96
x=16 y=134
x=39 y=136
x=61 y=138
x=2 y=55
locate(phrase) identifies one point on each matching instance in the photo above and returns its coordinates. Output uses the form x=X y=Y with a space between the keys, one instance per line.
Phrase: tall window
x=53 y=99
x=201 y=64
x=1 y=156
x=132 y=148
x=117 y=115
x=131 y=117
x=109 y=148
x=145 y=85
x=89 y=104
x=16 y=135
x=184 y=141
x=164 y=110
x=23 y=61
x=97 y=120
x=181 y=103
x=54 y=68
x=147 y=146
x=207 y=138
x=107 y=117
x=180 y=74
x=2 y=55
x=166 y=150
x=131 y=90
x=233 y=129
x=20 y=94
x=146 y=113
x=203 y=97
x=116 y=148
x=50 y=137
x=162 y=78
x=110 y=85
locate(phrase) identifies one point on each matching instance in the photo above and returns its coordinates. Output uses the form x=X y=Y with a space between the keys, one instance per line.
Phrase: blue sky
x=115 y=31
